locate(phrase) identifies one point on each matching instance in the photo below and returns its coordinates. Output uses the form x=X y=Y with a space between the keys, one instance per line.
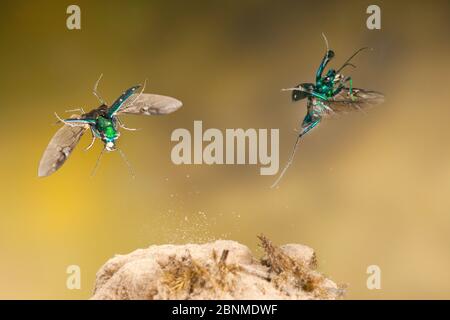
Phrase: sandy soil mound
x=217 y=270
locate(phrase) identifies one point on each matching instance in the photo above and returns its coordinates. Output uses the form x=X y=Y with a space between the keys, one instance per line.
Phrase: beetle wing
x=150 y=104
x=362 y=99
x=59 y=148
x=122 y=100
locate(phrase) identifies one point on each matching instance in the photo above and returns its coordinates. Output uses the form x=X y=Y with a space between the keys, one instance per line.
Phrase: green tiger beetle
x=104 y=124
x=329 y=95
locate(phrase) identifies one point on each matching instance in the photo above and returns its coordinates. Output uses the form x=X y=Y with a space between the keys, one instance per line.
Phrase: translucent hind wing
x=361 y=99
x=59 y=148
x=150 y=104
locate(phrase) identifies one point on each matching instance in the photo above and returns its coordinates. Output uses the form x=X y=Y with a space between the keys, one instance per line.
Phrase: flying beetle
x=104 y=123
x=331 y=94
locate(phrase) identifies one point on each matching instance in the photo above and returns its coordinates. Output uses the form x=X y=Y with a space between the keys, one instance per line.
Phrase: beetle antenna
x=326 y=40
x=97 y=163
x=346 y=63
x=124 y=157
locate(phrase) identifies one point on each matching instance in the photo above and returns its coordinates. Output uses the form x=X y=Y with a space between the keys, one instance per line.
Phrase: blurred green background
x=364 y=189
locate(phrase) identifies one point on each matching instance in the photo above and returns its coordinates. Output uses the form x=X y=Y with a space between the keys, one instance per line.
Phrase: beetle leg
x=350 y=81
x=124 y=127
x=95 y=92
x=351 y=89
x=97 y=163
x=129 y=129
x=76 y=110
x=92 y=143
x=130 y=167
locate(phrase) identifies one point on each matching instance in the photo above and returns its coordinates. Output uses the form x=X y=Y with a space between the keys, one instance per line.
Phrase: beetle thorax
x=106 y=128
x=325 y=86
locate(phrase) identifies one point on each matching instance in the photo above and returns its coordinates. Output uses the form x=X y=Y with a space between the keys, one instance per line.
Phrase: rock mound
x=217 y=270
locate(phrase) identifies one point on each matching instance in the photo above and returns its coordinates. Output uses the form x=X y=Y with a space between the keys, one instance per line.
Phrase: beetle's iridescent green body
x=103 y=120
x=327 y=96
x=104 y=125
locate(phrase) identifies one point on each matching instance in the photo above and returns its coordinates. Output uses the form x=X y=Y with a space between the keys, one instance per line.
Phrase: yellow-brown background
x=363 y=190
